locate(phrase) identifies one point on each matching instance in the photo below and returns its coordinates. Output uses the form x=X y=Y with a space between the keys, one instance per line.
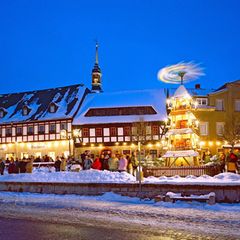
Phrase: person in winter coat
x=87 y=163
x=105 y=162
x=97 y=164
x=29 y=166
x=134 y=162
x=63 y=164
x=2 y=166
x=122 y=167
x=57 y=164
x=11 y=167
x=113 y=163
x=22 y=166
x=130 y=166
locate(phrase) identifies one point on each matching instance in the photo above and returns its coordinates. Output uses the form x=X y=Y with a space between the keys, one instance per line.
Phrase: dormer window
x=52 y=108
x=25 y=110
x=2 y=112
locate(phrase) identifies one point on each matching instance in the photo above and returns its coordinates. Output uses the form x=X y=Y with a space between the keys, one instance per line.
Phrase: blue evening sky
x=51 y=43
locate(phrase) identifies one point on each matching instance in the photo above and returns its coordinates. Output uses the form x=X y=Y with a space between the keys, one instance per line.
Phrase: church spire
x=96 y=74
x=96 y=55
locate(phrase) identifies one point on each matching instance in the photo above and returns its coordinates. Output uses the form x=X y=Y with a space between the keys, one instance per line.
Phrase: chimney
x=197 y=86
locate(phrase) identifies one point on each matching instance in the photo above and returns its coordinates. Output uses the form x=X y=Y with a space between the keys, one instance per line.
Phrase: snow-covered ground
x=96 y=176
x=220 y=221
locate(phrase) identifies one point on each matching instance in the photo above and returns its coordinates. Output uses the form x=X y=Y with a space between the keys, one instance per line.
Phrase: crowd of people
x=87 y=160
x=109 y=161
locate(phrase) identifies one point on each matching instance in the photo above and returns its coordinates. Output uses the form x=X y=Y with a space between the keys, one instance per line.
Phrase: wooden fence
x=181 y=171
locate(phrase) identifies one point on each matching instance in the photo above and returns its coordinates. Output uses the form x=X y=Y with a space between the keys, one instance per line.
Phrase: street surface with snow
x=118 y=214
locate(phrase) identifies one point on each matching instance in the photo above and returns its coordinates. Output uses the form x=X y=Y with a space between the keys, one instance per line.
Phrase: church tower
x=96 y=74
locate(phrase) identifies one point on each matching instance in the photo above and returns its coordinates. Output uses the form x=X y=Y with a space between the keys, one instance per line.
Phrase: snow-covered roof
x=67 y=99
x=184 y=153
x=155 y=99
x=194 y=92
x=181 y=92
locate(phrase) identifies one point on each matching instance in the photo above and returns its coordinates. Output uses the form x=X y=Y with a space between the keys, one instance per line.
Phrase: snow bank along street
x=95 y=176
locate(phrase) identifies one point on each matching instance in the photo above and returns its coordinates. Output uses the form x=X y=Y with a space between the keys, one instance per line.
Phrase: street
x=50 y=216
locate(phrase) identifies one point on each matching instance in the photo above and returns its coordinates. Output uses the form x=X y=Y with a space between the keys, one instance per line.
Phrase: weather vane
x=179 y=73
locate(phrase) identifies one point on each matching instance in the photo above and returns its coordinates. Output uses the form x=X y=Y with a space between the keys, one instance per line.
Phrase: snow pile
x=96 y=176
x=88 y=176
x=220 y=179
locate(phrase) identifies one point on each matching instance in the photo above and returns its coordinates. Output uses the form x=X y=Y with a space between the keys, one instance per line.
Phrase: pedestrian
x=105 y=162
x=134 y=162
x=113 y=163
x=29 y=165
x=11 y=166
x=102 y=160
x=63 y=164
x=22 y=166
x=97 y=163
x=129 y=166
x=122 y=167
x=87 y=163
x=2 y=167
x=57 y=164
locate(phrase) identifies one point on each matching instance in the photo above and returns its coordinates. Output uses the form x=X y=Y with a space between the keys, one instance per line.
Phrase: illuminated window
x=203 y=128
x=220 y=128
x=202 y=101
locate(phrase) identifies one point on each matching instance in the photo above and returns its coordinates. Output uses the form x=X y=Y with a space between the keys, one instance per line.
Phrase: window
x=220 y=128
x=8 y=132
x=121 y=111
x=30 y=130
x=52 y=128
x=127 y=131
x=237 y=105
x=148 y=130
x=155 y=130
x=63 y=126
x=25 y=111
x=41 y=129
x=2 y=113
x=19 y=131
x=98 y=132
x=203 y=127
x=0 y=132
x=52 y=108
x=219 y=104
x=202 y=101
x=85 y=132
x=113 y=131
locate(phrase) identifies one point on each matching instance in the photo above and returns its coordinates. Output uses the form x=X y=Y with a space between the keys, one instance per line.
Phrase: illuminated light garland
x=177 y=73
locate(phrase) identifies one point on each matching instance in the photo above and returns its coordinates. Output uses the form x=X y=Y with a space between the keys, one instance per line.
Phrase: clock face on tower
x=95 y=80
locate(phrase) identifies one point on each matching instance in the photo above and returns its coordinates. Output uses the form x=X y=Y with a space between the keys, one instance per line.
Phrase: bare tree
x=232 y=131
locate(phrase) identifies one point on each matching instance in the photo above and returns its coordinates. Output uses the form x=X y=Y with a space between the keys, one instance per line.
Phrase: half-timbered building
x=32 y=123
